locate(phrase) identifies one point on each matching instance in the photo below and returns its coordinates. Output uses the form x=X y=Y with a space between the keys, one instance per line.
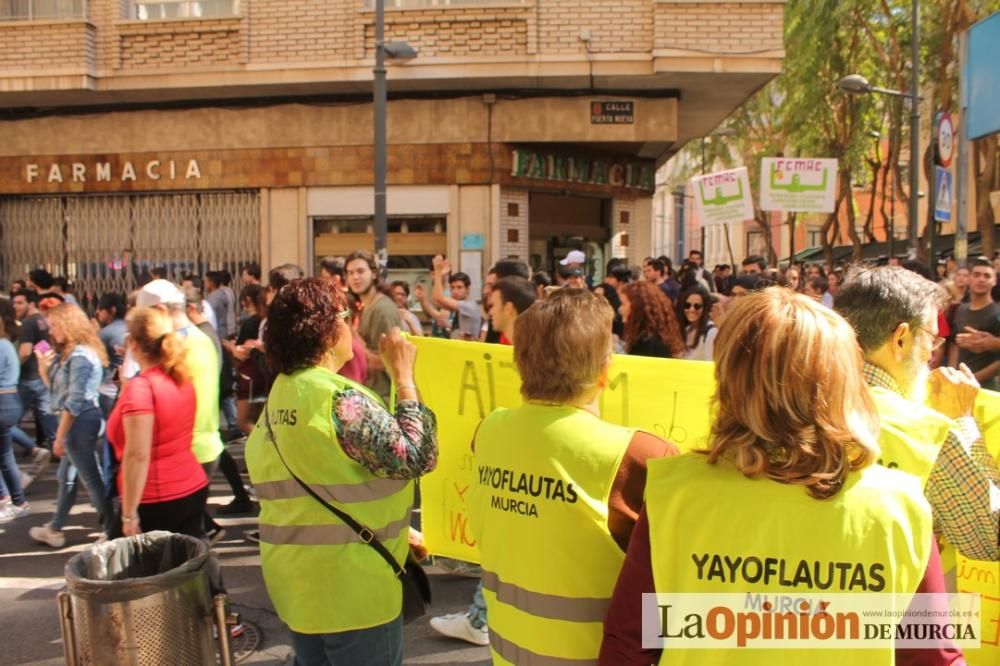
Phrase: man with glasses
x=895 y=314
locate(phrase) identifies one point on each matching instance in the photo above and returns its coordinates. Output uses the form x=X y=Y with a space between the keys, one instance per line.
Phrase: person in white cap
x=572 y=265
x=203 y=361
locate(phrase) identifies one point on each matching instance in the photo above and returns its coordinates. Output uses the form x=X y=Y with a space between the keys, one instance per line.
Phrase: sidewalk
x=31 y=575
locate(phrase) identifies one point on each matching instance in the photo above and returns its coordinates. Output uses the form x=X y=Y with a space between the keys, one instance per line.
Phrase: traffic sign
x=943 y=195
x=944 y=138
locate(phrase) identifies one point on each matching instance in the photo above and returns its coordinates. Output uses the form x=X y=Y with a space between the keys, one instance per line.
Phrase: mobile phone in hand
x=42 y=347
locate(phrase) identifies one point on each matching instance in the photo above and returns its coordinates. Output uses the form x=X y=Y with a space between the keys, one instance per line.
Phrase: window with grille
x=177 y=9
x=42 y=10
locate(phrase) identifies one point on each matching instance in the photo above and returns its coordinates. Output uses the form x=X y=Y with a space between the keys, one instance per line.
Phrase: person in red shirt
x=161 y=484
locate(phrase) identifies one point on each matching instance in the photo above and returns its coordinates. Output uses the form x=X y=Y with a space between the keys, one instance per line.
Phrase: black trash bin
x=142 y=600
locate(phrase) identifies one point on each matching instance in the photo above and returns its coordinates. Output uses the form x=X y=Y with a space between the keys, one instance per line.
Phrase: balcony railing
x=42 y=10
x=175 y=9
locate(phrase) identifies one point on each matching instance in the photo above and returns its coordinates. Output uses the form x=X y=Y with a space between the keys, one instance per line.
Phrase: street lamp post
x=855 y=84
x=400 y=50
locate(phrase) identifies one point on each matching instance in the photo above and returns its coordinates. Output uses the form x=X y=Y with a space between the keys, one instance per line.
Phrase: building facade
x=205 y=134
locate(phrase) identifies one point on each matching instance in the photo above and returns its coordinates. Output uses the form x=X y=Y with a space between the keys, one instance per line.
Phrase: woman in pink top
x=162 y=486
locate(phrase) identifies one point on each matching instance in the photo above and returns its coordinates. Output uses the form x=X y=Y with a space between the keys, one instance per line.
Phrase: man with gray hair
x=895 y=314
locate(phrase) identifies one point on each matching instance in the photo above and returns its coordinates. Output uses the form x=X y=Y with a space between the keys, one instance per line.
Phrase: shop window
x=412 y=240
x=756 y=244
x=42 y=10
x=175 y=9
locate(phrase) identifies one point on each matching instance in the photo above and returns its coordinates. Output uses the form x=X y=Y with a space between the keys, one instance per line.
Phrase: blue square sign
x=942 y=195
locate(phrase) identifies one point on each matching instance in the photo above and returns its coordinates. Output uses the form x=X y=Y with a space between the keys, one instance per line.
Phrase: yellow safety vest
x=712 y=530
x=539 y=508
x=910 y=434
x=320 y=576
x=206 y=443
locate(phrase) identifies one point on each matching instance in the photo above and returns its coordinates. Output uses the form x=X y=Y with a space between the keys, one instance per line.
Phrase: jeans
x=109 y=466
x=35 y=396
x=10 y=475
x=477 y=611
x=21 y=438
x=378 y=646
x=82 y=459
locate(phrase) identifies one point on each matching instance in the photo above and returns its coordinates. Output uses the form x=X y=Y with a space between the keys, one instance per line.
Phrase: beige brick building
x=208 y=133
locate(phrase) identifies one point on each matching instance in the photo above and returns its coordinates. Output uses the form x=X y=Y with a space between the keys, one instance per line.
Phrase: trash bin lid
x=143 y=564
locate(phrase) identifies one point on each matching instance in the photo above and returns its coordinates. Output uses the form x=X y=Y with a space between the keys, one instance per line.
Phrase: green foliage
x=802 y=112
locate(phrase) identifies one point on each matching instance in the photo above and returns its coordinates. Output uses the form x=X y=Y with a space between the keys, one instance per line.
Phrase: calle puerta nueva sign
x=612 y=113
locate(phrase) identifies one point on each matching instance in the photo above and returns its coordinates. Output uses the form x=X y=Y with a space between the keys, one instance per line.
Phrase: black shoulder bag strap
x=366 y=534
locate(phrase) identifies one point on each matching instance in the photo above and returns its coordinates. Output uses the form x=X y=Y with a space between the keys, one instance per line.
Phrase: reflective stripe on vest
x=877 y=528
x=538 y=506
x=320 y=576
x=342 y=493
x=516 y=654
x=553 y=606
x=326 y=535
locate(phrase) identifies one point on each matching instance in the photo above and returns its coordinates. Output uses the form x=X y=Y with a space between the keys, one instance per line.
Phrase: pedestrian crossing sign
x=943 y=195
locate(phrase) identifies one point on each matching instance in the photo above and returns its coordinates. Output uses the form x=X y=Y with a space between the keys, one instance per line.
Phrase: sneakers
x=253 y=535
x=41 y=459
x=9 y=511
x=237 y=507
x=26 y=480
x=48 y=536
x=457 y=625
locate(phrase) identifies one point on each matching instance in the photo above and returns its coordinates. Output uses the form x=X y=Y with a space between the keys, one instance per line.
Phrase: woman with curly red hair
x=650 y=325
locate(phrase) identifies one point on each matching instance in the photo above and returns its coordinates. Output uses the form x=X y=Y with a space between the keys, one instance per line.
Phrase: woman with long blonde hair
x=787 y=500
x=73 y=372
x=161 y=484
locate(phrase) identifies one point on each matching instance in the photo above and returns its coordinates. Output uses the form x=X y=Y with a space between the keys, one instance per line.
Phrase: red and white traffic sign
x=945 y=139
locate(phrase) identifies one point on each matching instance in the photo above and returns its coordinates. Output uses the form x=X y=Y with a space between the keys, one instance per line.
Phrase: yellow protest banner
x=463 y=381
x=975 y=575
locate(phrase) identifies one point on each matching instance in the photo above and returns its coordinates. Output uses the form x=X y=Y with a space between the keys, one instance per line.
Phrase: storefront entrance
x=559 y=223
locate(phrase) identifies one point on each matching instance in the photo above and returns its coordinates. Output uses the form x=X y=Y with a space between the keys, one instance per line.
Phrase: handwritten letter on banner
x=805 y=185
x=723 y=197
x=464 y=381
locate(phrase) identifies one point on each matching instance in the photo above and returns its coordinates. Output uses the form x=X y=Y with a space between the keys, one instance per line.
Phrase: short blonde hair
x=791 y=398
x=561 y=345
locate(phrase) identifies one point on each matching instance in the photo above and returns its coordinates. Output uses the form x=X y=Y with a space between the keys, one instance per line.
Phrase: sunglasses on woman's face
x=693 y=306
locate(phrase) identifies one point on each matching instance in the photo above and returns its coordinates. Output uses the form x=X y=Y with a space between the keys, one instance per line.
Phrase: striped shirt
x=964 y=486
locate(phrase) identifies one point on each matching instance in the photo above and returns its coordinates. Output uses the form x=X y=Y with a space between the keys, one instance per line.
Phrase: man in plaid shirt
x=895 y=313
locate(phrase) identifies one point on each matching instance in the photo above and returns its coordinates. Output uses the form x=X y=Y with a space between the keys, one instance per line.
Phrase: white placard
x=802 y=184
x=723 y=197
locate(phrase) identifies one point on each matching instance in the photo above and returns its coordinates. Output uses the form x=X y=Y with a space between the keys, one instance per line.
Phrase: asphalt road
x=31 y=575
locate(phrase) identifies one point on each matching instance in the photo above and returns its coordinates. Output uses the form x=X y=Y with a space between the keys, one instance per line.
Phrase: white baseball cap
x=159 y=292
x=574 y=257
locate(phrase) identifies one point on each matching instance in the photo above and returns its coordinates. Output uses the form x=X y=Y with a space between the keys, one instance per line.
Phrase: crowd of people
x=856 y=386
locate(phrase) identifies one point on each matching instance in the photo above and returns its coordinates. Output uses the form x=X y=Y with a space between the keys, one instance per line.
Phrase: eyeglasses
x=937 y=339
x=694 y=306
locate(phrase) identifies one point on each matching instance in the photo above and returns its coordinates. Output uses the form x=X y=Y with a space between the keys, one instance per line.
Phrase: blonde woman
x=788 y=483
x=73 y=373
x=161 y=484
